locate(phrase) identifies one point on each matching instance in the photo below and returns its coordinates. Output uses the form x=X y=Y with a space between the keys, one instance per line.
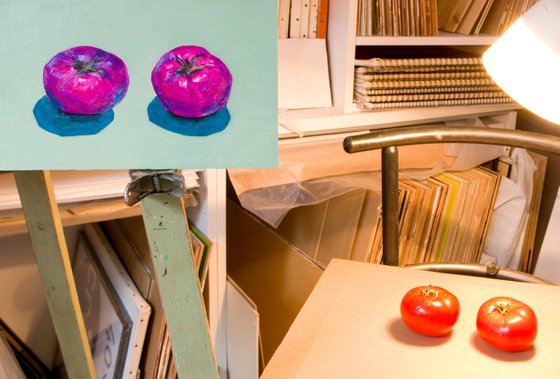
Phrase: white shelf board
x=308 y=122
x=72 y=186
x=443 y=39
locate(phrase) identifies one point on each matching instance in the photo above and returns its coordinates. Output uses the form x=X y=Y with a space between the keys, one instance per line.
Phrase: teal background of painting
x=241 y=32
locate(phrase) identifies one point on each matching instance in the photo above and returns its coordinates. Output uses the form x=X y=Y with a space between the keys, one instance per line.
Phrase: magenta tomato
x=507 y=324
x=430 y=310
x=190 y=82
x=85 y=80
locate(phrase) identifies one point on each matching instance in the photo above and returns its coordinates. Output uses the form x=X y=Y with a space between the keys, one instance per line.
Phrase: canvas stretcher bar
x=49 y=245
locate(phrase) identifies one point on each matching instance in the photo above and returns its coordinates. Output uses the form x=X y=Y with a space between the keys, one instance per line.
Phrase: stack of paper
x=444 y=218
x=383 y=84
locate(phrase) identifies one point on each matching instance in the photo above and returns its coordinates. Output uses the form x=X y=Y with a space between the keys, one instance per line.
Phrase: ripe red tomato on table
x=507 y=324
x=430 y=310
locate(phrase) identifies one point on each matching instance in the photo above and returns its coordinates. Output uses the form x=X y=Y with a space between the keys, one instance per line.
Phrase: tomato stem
x=502 y=307
x=430 y=292
x=86 y=67
x=188 y=67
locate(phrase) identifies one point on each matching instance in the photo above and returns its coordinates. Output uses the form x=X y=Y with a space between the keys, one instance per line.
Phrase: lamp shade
x=525 y=60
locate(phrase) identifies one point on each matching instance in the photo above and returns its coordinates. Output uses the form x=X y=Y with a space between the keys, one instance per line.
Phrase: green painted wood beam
x=49 y=245
x=167 y=229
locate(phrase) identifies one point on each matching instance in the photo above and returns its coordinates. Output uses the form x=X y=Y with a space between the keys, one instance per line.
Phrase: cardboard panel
x=277 y=277
x=242 y=334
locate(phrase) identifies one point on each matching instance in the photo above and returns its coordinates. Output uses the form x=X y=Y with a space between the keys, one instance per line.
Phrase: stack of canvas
x=444 y=218
x=383 y=84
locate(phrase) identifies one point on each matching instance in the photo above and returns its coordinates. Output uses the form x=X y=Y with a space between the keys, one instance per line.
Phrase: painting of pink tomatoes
x=138 y=84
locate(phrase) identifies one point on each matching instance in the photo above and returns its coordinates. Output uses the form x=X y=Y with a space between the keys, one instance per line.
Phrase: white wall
x=23 y=306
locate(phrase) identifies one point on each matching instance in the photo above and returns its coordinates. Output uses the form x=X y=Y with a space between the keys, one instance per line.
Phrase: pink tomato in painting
x=85 y=80
x=190 y=82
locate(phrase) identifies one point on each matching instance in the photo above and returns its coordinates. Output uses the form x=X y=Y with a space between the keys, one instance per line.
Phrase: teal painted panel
x=242 y=33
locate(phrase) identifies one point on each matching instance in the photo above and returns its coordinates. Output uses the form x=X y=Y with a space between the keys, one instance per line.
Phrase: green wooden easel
x=167 y=229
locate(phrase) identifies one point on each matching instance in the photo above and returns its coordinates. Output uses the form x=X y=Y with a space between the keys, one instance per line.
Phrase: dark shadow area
x=196 y=127
x=54 y=121
x=499 y=355
x=397 y=330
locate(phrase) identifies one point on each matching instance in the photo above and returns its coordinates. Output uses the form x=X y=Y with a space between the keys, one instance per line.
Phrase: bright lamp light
x=525 y=60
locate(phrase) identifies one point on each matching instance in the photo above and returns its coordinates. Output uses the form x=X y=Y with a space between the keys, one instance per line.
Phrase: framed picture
x=201 y=249
x=136 y=308
x=31 y=366
x=9 y=366
x=108 y=325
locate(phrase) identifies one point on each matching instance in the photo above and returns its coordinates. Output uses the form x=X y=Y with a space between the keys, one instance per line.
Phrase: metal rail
x=426 y=134
x=485 y=271
x=389 y=139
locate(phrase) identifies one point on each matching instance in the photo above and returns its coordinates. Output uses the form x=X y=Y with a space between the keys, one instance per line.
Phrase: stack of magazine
x=385 y=84
x=444 y=218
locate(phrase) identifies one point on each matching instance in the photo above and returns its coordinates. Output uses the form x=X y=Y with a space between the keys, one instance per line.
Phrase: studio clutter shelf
x=343 y=46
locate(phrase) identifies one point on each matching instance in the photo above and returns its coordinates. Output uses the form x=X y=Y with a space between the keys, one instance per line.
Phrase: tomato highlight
x=507 y=324
x=430 y=310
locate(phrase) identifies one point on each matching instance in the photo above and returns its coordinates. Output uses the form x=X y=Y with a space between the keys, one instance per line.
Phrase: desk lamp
x=525 y=60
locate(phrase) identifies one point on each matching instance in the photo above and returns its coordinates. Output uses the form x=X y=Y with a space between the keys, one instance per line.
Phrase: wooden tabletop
x=350 y=327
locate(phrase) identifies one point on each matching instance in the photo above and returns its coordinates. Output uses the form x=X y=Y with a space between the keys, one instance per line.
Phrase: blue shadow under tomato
x=54 y=121
x=197 y=127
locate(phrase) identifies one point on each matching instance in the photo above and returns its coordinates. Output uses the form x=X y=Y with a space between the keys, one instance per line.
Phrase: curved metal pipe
x=473 y=269
x=425 y=134
x=390 y=205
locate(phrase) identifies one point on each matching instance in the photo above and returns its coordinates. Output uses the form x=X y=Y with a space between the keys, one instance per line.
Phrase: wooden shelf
x=308 y=122
x=13 y=222
x=443 y=39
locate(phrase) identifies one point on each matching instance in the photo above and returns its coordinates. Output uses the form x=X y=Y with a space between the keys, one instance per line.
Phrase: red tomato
x=430 y=310
x=507 y=324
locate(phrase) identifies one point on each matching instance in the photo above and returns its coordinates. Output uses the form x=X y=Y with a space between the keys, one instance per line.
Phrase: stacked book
x=385 y=84
x=397 y=18
x=302 y=18
x=426 y=17
x=491 y=17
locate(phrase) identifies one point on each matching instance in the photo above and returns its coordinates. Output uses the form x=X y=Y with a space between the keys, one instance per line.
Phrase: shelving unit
x=208 y=215
x=309 y=122
x=344 y=116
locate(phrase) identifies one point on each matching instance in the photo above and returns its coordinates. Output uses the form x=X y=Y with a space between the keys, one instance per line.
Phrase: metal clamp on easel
x=147 y=182
x=167 y=230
